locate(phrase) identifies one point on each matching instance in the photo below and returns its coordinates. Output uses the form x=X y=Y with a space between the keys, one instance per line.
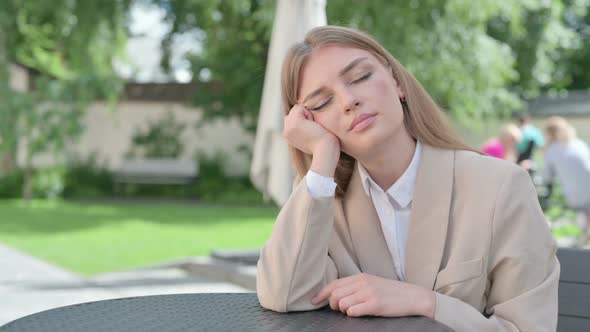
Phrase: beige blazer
x=477 y=237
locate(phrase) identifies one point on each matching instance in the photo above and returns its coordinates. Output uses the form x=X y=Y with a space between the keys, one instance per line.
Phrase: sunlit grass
x=91 y=239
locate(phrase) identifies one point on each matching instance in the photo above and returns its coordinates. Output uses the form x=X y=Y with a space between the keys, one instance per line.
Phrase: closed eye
x=362 y=78
x=322 y=105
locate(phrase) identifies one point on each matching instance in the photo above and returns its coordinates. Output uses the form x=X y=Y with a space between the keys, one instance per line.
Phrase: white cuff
x=320 y=186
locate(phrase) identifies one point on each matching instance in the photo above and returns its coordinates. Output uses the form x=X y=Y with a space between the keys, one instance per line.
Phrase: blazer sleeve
x=294 y=264
x=523 y=269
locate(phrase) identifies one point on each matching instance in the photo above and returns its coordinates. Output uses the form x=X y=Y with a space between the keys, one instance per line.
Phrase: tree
x=69 y=45
x=235 y=36
x=546 y=40
x=7 y=131
x=477 y=58
x=577 y=18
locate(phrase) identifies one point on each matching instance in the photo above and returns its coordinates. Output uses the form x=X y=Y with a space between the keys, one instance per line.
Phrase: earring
x=404 y=104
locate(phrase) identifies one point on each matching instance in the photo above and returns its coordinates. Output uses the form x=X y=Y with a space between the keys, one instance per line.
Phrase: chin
x=361 y=145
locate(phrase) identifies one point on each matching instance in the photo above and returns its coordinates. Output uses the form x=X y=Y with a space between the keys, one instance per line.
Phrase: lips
x=360 y=118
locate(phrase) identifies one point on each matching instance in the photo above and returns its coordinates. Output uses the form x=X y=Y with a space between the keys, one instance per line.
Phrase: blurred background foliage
x=479 y=59
x=69 y=47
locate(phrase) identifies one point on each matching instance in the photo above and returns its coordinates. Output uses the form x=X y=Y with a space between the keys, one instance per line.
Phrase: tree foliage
x=478 y=59
x=160 y=139
x=235 y=39
x=546 y=40
x=577 y=62
x=445 y=45
x=68 y=47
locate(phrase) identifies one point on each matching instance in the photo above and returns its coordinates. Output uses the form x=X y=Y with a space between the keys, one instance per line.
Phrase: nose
x=349 y=101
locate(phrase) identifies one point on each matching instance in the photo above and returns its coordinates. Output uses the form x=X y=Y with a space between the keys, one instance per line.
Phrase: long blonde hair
x=557 y=129
x=423 y=119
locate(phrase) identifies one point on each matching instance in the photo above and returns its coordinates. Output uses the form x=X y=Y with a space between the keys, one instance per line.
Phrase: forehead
x=325 y=63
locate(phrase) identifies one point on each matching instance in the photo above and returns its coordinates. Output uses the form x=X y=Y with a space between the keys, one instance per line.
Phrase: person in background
x=532 y=138
x=504 y=146
x=567 y=160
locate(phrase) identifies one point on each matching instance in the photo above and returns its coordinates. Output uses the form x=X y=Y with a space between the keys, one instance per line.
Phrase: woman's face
x=352 y=95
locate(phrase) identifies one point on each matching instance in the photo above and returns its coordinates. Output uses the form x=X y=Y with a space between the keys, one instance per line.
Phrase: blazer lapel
x=365 y=229
x=429 y=216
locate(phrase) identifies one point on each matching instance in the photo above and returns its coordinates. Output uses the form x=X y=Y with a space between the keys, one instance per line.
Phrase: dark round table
x=204 y=312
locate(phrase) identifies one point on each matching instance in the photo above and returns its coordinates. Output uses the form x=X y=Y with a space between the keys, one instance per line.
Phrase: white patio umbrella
x=271 y=171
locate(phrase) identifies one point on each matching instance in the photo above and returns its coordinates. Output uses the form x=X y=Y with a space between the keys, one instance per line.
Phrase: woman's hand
x=303 y=133
x=369 y=295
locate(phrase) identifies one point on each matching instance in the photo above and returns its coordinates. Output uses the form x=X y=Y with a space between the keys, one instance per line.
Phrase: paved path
x=29 y=285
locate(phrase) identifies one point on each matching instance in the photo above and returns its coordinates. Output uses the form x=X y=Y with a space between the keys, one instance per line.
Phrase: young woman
x=504 y=146
x=393 y=215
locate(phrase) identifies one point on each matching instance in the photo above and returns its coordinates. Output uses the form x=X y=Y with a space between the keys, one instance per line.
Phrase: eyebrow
x=343 y=72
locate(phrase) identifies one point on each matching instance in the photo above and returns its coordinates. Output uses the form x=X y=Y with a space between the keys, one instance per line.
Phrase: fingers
x=302 y=132
x=300 y=111
x=353 y=298
x=340 y=293
x=307 y=114
x=329 y=288
x=324 y=292
x=361 y=309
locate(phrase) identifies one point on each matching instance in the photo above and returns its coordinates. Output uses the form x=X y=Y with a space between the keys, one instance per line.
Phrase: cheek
x=386 y=90
x=328 y=120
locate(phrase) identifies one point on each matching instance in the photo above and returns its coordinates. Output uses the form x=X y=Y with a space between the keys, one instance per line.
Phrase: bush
x=557 y=208
x=236 y=190
x=211 y=186
x=215 y=187
x=88 y=179
x=11 y=185
x=48 y=183
x=161 y=139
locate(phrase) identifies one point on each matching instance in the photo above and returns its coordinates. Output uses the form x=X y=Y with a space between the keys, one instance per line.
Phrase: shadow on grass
x=60 y=216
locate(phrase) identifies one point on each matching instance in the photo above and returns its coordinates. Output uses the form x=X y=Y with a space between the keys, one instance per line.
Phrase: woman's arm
x=523 y=269
x=294 y=264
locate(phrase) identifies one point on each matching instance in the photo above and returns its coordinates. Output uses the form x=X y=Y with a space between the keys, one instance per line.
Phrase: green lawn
x=93 y=238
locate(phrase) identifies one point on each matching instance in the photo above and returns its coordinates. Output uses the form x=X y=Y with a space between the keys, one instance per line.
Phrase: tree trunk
x=7 y=160
x=7 y=163
x=28 y=181
x=4 y=73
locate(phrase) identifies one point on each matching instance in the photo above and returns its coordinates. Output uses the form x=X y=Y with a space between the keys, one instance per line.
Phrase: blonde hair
x=557 y=129
x=510 y=131
x=423 y=119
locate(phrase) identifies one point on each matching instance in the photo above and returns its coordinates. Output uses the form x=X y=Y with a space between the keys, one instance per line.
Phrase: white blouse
x=392 y=206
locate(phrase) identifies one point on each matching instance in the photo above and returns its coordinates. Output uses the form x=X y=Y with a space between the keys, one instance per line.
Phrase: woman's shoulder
x=479 y=169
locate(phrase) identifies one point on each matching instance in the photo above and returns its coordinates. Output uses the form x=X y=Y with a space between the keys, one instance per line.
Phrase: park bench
x=574 y=290
x=156 y=171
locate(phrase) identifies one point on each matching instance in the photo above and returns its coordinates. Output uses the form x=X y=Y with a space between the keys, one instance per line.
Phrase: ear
x=399 y=91
x=396 y=85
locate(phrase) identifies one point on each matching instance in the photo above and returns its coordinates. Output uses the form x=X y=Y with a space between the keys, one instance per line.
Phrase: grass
x=93 y=238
